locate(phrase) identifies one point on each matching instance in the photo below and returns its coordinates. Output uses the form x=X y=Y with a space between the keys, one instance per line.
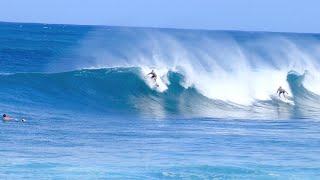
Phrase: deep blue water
x=91 y=113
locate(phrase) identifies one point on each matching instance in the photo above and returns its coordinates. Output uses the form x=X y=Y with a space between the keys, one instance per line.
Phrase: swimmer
x=282 y=91
x=6 y=118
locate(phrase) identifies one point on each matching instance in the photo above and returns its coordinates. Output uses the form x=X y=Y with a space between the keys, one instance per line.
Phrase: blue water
x=91 y=113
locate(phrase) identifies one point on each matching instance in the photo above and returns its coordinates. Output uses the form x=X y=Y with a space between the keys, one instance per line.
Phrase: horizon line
x=153 y=27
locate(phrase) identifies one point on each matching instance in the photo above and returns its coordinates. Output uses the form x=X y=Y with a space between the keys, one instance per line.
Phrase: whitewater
x=93 y=113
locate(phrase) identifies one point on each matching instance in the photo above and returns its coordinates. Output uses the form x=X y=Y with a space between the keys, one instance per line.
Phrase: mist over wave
x=201 y=73
x=237 y=67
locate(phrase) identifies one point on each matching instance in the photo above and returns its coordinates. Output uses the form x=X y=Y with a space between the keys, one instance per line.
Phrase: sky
x=247 y=15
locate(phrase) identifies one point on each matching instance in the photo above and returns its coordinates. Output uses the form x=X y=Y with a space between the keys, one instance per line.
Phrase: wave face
x=126 y=90
x=201 y=73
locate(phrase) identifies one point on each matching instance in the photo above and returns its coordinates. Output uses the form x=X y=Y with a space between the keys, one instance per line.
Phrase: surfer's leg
x=284 y=96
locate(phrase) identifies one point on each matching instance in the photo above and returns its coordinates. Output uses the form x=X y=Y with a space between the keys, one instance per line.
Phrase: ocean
x=92 y=113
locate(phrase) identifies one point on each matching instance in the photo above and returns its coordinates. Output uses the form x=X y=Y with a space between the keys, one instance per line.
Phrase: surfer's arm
x=147 y=75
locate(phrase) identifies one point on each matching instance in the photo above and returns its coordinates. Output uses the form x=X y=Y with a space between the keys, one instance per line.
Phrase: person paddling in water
x=282 y=91
x=6 y=117
x=153 y=76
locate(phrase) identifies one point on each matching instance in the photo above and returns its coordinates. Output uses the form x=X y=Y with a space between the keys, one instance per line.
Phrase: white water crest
x=217 y=64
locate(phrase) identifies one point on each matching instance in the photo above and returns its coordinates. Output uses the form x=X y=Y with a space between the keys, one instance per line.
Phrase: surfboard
x=288 y=100
x=152 y=83
x=158 y=85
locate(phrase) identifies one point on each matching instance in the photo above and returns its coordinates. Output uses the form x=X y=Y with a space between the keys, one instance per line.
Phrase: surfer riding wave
x=153 y=76
x=282 y=91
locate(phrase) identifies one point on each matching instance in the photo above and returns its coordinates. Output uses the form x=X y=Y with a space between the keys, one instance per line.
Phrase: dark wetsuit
x=282 y=91
x=153 y=75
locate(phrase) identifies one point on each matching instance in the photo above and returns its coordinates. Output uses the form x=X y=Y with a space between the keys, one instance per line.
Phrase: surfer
x=6 y=118
x=282 y=91
x=153 y=75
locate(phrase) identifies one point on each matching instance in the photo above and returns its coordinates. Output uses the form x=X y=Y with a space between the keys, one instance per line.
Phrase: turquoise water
x=91 y=113
x=139 y=148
